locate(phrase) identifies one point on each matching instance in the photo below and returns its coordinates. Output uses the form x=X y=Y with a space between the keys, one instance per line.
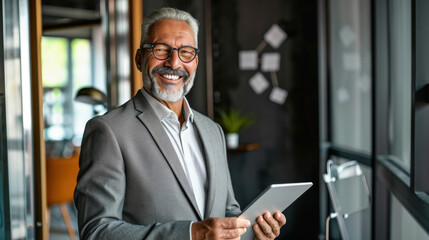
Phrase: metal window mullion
x=4 y=176
x=419 y=164
x=323 y=69
x=416 y=206
x=364 y=159
x=413 y=88
x=3 y=136
x=111 y=64
x=381 y=96
x=4 y=186
x=69 y=90
x=28 y=144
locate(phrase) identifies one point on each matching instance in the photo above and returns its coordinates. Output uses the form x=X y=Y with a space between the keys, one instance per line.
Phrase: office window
x=399 y=131
x=400 y=107
x=350 y=68
x=402 y=225
x=421 y=132
x=356 y=204
x=66 y=67
x=81 y=77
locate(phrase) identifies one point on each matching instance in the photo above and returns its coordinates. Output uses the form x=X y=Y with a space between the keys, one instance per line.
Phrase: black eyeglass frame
x=152 y=45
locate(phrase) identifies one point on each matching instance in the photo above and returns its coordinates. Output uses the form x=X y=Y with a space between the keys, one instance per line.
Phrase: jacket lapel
x=152 y=123
x=207 y=141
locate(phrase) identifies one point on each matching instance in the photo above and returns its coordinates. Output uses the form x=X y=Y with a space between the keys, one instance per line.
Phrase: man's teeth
x=171 y=77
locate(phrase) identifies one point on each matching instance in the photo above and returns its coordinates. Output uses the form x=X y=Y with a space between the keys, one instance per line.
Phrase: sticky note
x=258 y=83
x=270 y=62
x=248 y=60
x=351 y=61
x=275 y=36
x=342 y=95
x=278 y=95
x=347 y=36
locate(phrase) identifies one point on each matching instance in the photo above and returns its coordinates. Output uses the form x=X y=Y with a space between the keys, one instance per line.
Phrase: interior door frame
x=36 y=32
x=42 y=231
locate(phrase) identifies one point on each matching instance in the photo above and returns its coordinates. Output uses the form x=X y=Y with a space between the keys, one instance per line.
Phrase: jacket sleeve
x=232 y=207
x=100 y=191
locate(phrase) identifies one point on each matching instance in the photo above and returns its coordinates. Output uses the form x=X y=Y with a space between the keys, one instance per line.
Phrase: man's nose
x=173 y=61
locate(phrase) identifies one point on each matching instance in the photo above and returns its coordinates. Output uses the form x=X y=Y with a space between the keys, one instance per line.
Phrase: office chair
x=348 y=191
x=61 y=181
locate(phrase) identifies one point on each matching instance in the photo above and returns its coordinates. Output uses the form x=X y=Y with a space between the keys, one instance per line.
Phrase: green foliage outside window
x=54 y=62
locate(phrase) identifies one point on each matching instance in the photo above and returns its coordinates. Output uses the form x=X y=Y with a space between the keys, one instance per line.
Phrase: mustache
x=169 y=70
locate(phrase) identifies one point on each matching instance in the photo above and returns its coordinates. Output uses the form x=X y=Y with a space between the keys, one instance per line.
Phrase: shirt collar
x=163 y=112
x=187 y=111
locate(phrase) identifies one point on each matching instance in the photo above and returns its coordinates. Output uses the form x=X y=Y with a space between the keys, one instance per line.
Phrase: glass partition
x=349 y=185
x=16 y=175
x=400 y=82
x=350 y=69
x=402 y=225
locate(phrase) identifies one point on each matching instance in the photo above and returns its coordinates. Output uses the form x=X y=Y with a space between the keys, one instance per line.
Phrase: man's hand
x=219 y=228
x=267 y=226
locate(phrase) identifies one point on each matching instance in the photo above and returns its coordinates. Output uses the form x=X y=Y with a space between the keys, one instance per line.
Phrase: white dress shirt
x=187 y=144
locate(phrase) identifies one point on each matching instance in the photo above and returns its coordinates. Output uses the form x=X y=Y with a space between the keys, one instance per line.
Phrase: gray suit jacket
x=131 y=184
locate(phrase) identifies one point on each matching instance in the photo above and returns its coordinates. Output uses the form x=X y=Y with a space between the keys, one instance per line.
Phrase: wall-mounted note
x=347 y=36
x=364 y=83
x=278 y=95
x=342 y=95
x=270 y=62
x=275 y=36
x=248 y=60
x=258 y=83
x=351 y=61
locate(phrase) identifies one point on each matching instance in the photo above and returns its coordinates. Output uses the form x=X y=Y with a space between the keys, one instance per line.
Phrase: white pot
x=232 y=140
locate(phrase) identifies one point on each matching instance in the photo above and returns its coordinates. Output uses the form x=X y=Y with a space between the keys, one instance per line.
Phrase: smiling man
x=153 y=168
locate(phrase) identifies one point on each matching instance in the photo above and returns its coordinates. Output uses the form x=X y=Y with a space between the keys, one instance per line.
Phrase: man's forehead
x=170 y=27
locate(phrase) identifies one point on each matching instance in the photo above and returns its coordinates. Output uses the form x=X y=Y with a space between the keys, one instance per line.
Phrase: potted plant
x=233 y=122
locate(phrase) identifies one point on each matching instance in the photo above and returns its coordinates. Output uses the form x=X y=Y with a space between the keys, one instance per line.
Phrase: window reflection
x=16 y=216
x=66 y=67
x=400 y=82
x=350 y=74
x=358 y=223
x=402 y=225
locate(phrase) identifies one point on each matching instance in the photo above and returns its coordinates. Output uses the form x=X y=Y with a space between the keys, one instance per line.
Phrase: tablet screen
x=277 y=197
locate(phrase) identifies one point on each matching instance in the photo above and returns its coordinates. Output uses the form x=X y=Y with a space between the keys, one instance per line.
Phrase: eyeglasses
x=163 y=51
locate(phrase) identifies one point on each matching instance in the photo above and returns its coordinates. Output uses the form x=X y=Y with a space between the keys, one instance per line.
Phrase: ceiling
x=67 y=16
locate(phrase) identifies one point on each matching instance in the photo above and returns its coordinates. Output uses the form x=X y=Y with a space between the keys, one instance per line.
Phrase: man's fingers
x=259 y=233
x=264 y=226
x=275 y=228
x=227 y=233
x=219 y=228
x=233 y=223
x=280 y=217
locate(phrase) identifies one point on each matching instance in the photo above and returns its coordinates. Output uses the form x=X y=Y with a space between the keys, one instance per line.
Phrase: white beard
x=151 y=84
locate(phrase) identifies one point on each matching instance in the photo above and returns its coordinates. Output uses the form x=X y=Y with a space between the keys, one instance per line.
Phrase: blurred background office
x=342 y=82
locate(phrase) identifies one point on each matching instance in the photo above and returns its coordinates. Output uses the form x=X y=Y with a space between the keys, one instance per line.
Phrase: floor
x=58 y=230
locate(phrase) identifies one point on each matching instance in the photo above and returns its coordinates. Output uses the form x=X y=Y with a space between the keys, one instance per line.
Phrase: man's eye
x=186 y=52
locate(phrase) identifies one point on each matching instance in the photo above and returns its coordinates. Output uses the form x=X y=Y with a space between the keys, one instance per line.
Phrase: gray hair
x=168 y=13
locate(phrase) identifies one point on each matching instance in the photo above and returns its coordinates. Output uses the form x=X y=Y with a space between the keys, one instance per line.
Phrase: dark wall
x=197 y=96
x=288 y=133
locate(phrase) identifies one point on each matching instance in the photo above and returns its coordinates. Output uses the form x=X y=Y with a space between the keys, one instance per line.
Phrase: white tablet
x=277 y=197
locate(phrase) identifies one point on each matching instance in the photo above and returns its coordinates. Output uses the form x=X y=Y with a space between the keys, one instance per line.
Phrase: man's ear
x=138 y=60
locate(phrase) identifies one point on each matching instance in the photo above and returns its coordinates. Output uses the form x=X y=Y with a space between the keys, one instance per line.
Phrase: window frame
x=411 y=189
x=392 y=176
x=328 y=149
